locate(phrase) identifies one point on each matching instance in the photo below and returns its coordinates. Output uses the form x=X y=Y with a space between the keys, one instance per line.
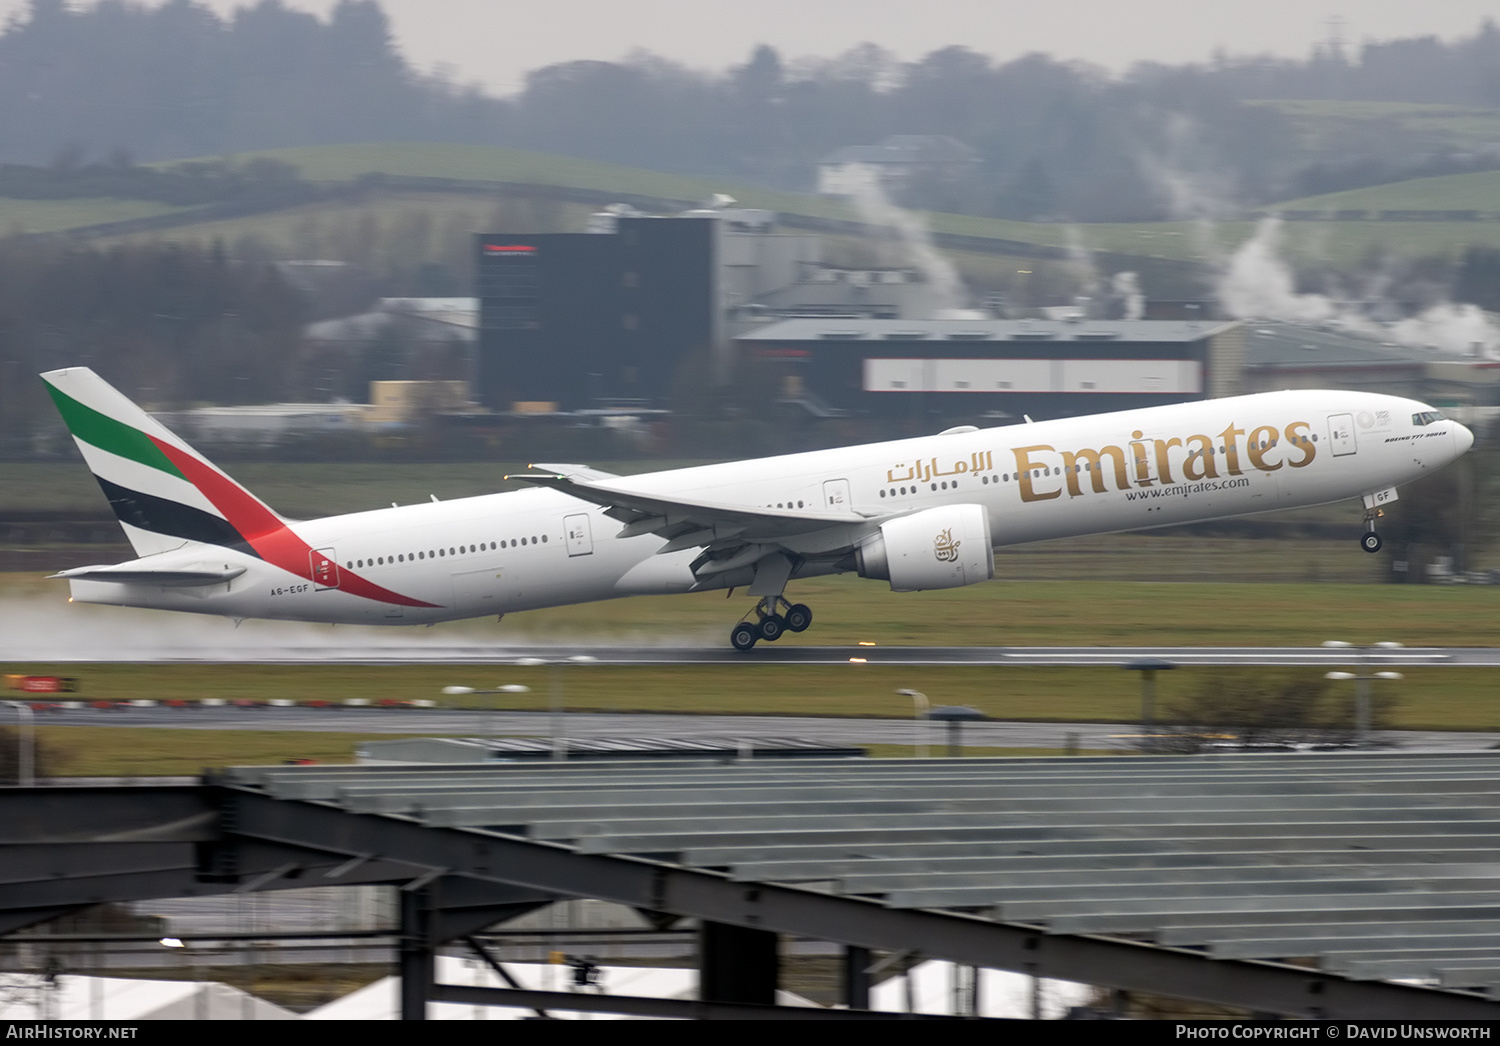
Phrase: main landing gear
x=774 y=617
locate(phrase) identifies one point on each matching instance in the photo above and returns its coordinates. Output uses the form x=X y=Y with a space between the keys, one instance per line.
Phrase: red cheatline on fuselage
x=272 y=540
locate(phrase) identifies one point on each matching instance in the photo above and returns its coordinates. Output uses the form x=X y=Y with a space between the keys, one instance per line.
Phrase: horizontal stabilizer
x=128 y=574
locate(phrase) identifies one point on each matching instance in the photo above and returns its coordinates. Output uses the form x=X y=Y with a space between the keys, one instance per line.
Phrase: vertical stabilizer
x=164 y=493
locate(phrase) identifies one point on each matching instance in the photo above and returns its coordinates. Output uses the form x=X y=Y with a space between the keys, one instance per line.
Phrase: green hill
x=43 y=216
x=477 y=163
x=457 y=190
x=1325 y=123
x=1478 y=191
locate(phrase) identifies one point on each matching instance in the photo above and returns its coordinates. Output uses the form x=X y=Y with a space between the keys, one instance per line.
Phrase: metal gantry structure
x=1299 y=885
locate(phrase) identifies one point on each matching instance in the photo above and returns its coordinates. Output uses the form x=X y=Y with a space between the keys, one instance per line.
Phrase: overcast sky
x=495 y=42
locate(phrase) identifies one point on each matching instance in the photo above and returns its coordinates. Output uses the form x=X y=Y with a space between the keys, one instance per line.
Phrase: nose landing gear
x=774 y=617
x=1370 y=541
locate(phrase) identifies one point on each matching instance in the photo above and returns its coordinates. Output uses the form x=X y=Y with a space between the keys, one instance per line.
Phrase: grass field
x=1479 y=191
x=848 y=611
x=1439 y=698
x=382 y=222
x=1324 y=122
x=101 y=751
x=472 y=163
x=36 y=216
x=1007 y=612
x=1428 y=698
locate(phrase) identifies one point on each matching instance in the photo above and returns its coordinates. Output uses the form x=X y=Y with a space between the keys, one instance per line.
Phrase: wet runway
x=399 y=653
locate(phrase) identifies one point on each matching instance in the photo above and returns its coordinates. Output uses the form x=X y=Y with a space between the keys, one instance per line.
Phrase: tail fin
x=163 y=492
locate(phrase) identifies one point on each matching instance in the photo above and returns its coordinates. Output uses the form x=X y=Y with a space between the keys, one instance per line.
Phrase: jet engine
x=936 y=548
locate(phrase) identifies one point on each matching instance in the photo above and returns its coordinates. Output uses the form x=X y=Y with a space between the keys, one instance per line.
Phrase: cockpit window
x=1427 y=417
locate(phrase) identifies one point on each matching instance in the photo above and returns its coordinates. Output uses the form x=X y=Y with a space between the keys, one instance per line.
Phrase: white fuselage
x=1105 y=473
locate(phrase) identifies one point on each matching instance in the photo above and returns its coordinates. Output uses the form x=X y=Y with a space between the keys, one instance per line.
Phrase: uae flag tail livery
x=194 y=528
x=163 y=492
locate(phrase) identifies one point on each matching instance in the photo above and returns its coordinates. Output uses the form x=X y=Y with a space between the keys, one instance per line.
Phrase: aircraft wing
x=583 y=472
x=689 y=523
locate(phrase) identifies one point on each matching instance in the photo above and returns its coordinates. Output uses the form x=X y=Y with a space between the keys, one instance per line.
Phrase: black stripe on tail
x=172 y=518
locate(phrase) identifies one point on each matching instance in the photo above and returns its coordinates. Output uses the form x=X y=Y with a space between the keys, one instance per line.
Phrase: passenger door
x=580 y=539
x=1341 y=434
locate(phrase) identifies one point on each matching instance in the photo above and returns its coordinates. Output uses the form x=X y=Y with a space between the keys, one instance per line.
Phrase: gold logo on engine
x=944 y=547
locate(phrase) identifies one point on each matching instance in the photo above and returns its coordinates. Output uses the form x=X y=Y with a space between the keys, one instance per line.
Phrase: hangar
x=996 y=369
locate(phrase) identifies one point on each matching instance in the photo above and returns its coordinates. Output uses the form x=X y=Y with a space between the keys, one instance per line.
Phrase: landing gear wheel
x=772 y=626
x=744 y=635
x=798 y=617
x=1371 y=542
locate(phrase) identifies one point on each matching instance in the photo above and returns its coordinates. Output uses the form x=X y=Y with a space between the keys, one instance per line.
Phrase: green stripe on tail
x=107 y=434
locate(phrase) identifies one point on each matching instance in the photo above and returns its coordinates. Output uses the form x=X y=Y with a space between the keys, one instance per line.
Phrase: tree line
x=165 y=323
x=1054 y=139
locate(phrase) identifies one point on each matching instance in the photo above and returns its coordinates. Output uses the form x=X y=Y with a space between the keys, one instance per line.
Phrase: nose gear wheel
x=1370 y=541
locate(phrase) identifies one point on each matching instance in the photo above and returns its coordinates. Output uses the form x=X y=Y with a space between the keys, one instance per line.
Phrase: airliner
x=919 y=513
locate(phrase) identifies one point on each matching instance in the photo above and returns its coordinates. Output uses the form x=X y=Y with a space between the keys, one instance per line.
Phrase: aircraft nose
x=1463 y=439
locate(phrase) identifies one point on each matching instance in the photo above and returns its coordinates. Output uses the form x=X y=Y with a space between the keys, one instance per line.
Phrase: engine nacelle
x=945 y=547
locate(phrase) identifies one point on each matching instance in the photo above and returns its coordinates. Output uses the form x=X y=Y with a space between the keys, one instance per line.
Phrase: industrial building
x=622 y=314
x=995 y=370
x=642 y=308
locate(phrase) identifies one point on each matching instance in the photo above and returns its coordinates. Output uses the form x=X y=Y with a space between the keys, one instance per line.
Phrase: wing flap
x=657 y=514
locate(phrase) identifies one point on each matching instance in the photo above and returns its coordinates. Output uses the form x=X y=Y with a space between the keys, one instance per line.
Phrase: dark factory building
x=995 y=369
x=576 y=320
